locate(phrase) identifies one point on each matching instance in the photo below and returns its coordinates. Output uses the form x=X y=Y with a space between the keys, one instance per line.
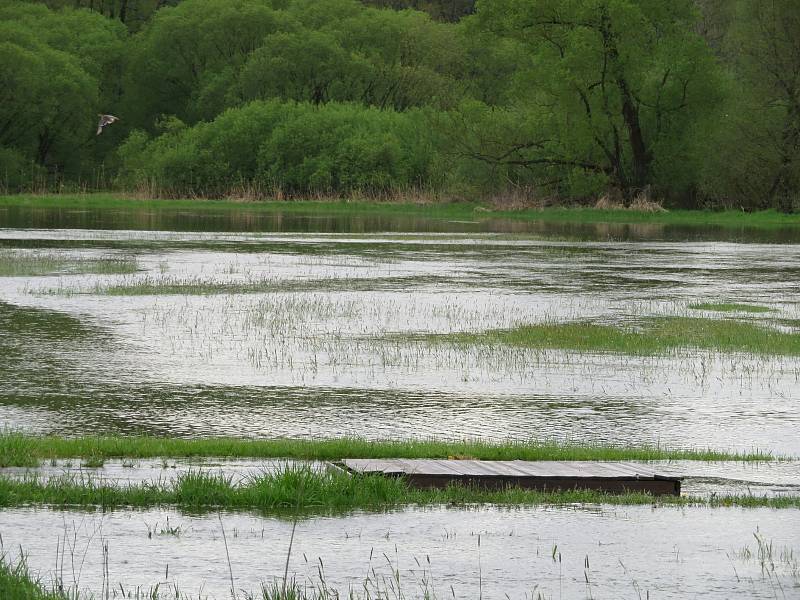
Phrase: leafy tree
x=55 y=69
x=305 y=65
x=133 y=13
x=442 y=10
x=185 y=61
x=755 y=160
x=617 y=85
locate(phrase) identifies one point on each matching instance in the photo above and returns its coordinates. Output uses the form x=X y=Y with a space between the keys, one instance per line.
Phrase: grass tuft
x=24 y=264
x=730 y=307
x=656 y=336
x=17 y=583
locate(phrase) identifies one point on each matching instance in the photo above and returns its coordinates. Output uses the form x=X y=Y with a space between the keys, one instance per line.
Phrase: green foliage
x=17 y=583
x=183 y=62
x=692 y=101
x=56 y=73
x=295 y=147
x=754 y=149
x=614 y=89
x=18 y=172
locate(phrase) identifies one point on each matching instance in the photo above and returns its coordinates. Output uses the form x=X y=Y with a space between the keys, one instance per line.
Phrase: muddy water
x=485 y=552
x=273 y=334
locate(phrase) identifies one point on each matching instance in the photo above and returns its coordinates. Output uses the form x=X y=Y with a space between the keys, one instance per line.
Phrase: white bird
x=105 y=120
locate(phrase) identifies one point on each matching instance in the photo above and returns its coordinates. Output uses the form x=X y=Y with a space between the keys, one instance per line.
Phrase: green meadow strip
x=21 y=450
x=310 y=490
x=730 y=307
x=655 y=336
x=449 y=210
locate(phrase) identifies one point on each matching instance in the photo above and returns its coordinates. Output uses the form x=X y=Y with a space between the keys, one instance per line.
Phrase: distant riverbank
x=450 y=211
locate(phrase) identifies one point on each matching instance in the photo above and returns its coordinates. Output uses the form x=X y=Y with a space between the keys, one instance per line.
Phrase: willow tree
x=756 y=157
x=612 y=91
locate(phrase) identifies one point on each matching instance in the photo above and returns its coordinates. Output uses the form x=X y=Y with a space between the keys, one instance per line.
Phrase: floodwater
x=296 y=335
x=488 y=552
x=264 y=325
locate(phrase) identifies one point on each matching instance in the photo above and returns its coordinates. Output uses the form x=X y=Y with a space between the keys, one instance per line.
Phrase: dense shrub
x=293 y=147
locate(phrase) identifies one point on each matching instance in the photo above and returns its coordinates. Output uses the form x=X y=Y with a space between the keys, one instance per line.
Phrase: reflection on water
x=558 y=552
x=326 y=340
x=247 y=219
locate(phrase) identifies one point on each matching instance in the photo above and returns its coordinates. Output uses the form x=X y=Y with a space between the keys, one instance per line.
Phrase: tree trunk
x=640 y=156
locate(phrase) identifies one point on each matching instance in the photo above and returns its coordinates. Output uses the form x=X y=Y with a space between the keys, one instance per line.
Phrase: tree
x=307 y=66
x=758 y=144
x=617 y=84
x=55 y=68
x=186 y=60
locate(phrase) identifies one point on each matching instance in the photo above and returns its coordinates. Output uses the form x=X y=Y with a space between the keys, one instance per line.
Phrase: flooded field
x=292 y=326
x=589 y=552
x=274 y=334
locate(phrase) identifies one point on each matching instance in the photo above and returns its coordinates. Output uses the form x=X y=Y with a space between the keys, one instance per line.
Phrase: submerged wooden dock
x=613 y=477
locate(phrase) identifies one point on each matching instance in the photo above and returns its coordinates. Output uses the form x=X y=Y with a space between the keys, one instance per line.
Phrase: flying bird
x=105 y=120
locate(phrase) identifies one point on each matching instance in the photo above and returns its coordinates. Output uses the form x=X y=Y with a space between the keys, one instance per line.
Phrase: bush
x=299 y=148
x=18 y=173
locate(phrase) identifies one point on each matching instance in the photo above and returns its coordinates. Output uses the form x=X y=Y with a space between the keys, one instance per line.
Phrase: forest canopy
x=693 y=102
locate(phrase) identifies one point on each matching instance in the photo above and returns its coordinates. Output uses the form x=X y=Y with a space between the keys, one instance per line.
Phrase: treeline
x=693 y=102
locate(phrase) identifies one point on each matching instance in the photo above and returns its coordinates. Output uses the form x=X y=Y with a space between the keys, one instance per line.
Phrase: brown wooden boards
x=614 y=477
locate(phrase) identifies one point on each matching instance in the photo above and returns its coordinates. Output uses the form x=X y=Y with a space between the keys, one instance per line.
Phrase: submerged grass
x=309 y=490
x=730 y=307
x=17 y=449
x=25 y=264
x=654 y=336
x=451 y=210
x=155 y=286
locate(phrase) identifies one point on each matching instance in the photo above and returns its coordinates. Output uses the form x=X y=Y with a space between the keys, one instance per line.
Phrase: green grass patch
x=730 y=307
x=164 y=286
x=655 y=336
x=26 y=264
x=16 y=583
x=21 y=450
x=312 y=491
x=457 y=210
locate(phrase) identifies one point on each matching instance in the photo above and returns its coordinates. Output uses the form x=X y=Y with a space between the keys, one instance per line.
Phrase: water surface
x=289 y=334
x=487 y=552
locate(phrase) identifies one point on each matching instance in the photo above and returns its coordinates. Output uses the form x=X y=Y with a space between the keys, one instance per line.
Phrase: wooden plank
x=540 y=475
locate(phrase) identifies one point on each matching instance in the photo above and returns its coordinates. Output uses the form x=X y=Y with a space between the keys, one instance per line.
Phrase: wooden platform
x=614 y=477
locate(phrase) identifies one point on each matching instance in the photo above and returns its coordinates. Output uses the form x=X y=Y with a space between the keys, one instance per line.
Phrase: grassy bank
x=449 y=210
x=314 y=491
x=651 y=337
x=21 y=450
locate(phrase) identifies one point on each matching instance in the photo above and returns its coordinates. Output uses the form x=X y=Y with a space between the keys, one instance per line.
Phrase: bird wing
x=105 y=120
